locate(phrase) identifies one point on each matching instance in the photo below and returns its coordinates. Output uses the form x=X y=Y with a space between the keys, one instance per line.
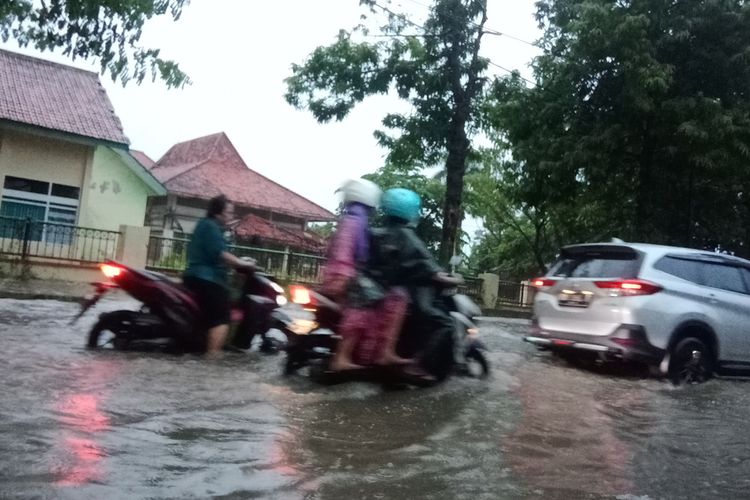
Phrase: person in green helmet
x=399 y=258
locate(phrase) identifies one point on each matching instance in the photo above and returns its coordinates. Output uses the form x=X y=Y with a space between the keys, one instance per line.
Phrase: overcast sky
x=238 y=52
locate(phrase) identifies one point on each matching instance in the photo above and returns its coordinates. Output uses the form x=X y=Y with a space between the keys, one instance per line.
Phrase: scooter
x=169 y=317
x=312 y=339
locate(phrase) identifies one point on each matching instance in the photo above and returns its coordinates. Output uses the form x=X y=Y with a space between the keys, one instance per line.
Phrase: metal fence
x=170 y=254
x=510 y=293
x=472 y=287
x=29 y=238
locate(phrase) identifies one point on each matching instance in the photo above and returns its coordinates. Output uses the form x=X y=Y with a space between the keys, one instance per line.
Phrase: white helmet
x=361 y=191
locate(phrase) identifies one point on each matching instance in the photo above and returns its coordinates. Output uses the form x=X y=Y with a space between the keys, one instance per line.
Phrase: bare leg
x=396 y=305
x=342 y=360
x=217 y=336
x=389 y=356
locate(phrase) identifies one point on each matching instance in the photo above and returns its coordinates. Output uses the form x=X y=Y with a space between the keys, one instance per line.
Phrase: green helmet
x=402 y=203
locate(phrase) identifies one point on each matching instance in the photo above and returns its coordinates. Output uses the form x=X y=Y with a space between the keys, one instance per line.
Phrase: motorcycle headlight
x=277 y=288
x=281 y=300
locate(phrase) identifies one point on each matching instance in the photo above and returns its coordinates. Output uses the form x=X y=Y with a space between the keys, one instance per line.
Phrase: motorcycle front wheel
x=477 y=365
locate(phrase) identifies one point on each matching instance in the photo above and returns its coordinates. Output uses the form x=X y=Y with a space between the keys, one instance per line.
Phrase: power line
x=513 y=71
x=488 y=30
x=403 y=16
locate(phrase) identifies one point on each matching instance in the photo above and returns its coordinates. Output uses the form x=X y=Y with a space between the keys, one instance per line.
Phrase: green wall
x=113 y=194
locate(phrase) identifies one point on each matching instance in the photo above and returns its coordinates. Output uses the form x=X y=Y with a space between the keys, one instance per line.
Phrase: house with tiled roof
x=267 y=213
x=64 y=158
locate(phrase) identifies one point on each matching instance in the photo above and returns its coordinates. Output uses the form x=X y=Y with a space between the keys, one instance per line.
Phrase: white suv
x=684 y=312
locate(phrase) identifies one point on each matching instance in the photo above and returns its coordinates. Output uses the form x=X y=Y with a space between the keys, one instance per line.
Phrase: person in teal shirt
x=207 y=271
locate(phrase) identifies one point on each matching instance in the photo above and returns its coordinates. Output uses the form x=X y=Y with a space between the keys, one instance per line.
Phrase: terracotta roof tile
x=57 y=97
x=143 y=158
x=254 y=226
x=208 y=166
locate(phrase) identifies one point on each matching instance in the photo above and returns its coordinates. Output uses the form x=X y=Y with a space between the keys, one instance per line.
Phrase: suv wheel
x=691 y=362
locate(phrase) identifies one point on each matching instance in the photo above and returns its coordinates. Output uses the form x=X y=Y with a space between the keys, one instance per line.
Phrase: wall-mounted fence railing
x=170 y=254
x=26 y=238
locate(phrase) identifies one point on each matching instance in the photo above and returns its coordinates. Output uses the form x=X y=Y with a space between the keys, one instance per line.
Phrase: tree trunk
x=455 y=167
x=457 y=142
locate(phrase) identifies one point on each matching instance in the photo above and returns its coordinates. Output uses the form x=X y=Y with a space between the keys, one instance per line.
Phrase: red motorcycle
x=169 y=318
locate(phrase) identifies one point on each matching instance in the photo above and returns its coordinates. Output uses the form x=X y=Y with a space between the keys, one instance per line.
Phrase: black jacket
x=399 y=258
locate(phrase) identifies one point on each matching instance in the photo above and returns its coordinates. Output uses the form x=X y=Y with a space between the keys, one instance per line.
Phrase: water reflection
x=568 y=439
x=79 y=454
x=358 y=441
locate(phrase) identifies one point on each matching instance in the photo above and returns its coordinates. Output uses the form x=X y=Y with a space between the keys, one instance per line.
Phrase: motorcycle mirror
x=455 y=261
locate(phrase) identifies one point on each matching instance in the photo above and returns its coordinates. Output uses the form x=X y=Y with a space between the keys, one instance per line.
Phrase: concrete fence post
x=132 y=246
x=490 y=284
x=285 y=263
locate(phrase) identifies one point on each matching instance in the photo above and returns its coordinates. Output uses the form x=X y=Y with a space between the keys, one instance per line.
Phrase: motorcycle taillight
x=300 y=295
x=111 y=271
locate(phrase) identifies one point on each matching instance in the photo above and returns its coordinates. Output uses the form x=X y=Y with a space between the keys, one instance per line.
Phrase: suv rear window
x=597 y=264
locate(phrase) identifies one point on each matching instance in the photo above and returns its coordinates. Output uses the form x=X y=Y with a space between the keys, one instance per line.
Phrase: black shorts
x=213 y=300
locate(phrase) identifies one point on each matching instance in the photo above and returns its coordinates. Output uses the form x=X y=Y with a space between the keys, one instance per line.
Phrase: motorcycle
x=169 y=317
x=312 y=339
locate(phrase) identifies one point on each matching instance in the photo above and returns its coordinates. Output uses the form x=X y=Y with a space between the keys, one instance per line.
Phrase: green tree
x=516 y=239
x=435 y=67
x=639 y=126
x=107 y=30
x=430 y=189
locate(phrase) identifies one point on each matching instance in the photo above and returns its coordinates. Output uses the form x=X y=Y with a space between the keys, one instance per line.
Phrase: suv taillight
x=543 y=283
x=629 y=288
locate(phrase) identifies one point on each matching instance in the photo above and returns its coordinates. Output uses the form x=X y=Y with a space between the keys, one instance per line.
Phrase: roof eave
x=306 y=216
x=60 y=134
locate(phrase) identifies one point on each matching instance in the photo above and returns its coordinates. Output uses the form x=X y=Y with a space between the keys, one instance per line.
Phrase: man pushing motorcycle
x=206 y=273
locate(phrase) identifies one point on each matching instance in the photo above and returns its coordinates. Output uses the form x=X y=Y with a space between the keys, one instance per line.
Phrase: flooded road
x=81 y=424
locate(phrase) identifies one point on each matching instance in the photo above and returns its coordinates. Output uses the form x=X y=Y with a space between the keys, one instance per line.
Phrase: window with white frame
x=39 y=201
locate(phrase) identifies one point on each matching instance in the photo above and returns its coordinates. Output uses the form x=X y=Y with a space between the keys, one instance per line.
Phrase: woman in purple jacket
x=369 y=330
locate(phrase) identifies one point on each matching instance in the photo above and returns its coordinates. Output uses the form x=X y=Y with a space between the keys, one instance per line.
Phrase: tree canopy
x=107 y=30
x=638 y=126
x=435 y=67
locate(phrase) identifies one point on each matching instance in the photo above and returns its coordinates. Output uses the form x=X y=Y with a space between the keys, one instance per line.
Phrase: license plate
x=574 y=298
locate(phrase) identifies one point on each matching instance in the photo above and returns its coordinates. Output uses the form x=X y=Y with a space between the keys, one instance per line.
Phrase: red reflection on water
x=81 y=421
x=280 y=460
x=82 y=464
x=81 y=412
x=565 y=441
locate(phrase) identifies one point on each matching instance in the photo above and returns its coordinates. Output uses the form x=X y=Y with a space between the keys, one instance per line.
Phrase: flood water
x=82 y=424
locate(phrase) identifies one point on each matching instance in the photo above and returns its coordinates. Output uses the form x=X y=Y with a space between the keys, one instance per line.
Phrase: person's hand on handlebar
x=448 y=279
x=244 y=263
x=248 y=263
